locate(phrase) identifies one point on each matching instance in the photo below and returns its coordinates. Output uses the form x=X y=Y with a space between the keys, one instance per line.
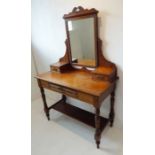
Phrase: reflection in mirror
x=82 y=41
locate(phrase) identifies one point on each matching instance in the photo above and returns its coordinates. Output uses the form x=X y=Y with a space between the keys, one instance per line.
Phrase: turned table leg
x=112 y=113
x=97 y=125
x=46 y=110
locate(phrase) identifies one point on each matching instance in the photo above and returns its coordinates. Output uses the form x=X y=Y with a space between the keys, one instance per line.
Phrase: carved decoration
x=102 y=61
x=77 y=9
x=65 y=58
x=80 y=11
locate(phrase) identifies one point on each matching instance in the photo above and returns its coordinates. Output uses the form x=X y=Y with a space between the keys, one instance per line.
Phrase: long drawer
x=69 y=92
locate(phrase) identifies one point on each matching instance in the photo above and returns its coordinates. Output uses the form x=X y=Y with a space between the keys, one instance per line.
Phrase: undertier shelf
x=79 y=114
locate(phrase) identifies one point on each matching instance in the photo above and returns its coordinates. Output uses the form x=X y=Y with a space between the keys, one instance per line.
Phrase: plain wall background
x=48 y=36
x=34 y=86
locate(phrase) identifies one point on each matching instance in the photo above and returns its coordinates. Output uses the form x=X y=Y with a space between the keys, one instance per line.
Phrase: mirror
x=81 y=34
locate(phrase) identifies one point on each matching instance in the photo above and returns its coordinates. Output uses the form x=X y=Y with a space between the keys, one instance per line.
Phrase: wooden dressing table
x=89 y=85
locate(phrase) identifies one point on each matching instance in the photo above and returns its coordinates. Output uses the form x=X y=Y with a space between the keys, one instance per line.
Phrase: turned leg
x=97 y=125
x=46 y=110
x=112 y=113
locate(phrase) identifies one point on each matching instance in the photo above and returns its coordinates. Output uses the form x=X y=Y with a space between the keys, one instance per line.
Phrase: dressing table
x=82 y=73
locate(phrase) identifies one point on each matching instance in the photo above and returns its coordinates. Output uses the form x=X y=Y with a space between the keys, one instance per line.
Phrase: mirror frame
x=81 y=13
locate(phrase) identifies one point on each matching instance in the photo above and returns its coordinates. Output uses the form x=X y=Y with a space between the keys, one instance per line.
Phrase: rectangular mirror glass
x=82 y=41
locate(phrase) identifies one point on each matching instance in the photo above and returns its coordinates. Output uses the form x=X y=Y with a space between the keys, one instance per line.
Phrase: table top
x=78 y=79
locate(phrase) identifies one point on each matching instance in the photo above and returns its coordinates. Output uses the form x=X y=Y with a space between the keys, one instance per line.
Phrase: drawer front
x=60 y=89
x=69 y=92
x=55 y=87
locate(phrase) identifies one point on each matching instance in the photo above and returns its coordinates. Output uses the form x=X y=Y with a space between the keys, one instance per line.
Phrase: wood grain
x=78 y=80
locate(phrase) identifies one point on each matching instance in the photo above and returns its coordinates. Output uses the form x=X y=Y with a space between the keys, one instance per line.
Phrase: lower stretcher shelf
x=79 y=114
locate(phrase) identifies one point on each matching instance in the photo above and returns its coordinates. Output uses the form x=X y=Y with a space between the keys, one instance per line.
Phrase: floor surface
x=63 y=135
